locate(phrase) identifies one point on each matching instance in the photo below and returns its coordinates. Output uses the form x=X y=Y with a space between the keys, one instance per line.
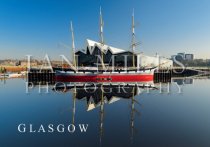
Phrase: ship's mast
x=133 y=45
x=101 y=37
x=101 y=28
x=73 y=45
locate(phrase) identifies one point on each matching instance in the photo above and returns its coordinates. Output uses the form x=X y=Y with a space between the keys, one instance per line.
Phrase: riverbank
x=12 y=68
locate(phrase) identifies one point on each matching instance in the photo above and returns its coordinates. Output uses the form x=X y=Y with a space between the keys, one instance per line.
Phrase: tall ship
x=102 y=71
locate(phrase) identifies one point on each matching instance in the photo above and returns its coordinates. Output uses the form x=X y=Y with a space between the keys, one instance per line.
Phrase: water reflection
x=164 y=119
x=97 y=95
x=3 y=80
x=183 y=81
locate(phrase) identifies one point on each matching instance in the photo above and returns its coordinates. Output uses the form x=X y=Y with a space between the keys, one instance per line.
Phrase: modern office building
x=189 y=56
x=182 y=56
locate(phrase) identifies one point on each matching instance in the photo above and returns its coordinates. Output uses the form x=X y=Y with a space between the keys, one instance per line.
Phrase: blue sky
x=166 y=27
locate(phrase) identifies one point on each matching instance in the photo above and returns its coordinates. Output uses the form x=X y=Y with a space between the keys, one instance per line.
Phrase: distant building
x=56 y=63
x=189 y=56
x=9 y=62
x=182 y=57
x=32 y=63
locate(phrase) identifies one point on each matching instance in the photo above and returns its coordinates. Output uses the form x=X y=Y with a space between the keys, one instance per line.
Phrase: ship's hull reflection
x=94 y=93
x=99 y=94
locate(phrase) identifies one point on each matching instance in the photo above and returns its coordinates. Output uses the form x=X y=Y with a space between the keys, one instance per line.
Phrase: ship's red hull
x=105 y=78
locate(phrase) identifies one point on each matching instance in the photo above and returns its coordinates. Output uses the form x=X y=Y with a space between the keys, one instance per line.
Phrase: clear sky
x=38 y=27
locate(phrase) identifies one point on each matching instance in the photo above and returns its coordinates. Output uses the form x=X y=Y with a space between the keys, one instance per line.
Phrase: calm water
x=149 y=119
